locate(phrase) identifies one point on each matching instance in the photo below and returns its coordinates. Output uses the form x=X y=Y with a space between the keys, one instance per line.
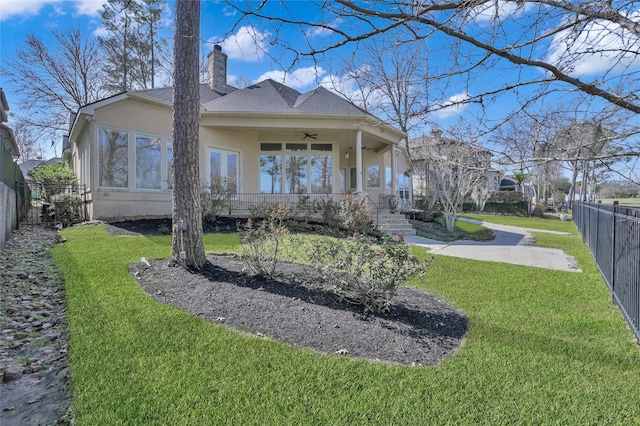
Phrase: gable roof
x=271 y=97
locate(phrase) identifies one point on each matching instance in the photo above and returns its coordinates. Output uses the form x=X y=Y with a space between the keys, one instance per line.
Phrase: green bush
x=66 y=208
x=366 y=272
x=52 y=179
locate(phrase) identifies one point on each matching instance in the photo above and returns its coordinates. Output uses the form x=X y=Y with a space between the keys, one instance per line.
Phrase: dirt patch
x=298 y=307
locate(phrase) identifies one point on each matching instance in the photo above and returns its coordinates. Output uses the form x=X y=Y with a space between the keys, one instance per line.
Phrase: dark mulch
x=298 y=307
x=162 y=226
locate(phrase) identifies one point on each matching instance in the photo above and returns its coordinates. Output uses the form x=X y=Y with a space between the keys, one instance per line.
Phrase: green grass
x=622 y=201
x=544 y=347
x=551 y=224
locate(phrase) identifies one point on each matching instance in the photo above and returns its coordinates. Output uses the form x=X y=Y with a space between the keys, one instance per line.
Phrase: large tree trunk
x=188 y=248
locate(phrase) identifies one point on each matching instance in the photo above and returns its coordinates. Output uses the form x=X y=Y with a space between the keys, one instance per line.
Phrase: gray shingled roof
x=269 y=97
x=165 y=94
x=272 y=98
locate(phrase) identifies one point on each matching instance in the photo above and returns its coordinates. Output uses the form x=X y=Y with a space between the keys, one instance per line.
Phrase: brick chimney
x=217 y=70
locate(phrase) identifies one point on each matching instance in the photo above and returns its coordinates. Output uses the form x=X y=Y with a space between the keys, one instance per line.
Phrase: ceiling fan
x=310 y=135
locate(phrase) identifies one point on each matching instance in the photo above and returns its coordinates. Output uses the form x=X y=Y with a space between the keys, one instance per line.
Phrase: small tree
x=52 y=179
x=458 y=170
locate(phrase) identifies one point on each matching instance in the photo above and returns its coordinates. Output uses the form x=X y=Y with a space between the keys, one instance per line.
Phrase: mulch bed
x=298 y=307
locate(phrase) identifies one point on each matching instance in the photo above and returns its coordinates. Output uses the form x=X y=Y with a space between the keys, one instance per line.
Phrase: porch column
x=359 y=162
x=394 y=168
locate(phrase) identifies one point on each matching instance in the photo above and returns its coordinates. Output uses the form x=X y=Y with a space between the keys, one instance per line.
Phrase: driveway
x=512 y=245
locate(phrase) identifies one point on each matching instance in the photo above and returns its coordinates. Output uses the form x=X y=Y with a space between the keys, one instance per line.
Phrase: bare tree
x=188 y=247
x=498 y=31
x=27 y=143
x=457 y=169
x=55 y=79
x=530 y=49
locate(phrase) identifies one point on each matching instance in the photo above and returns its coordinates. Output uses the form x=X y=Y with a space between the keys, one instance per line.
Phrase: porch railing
x=256 y=204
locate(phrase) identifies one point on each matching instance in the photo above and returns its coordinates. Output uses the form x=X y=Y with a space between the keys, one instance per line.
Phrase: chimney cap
x=217 y=47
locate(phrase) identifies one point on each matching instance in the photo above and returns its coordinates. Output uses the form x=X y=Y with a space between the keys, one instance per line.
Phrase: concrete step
x=393 y=223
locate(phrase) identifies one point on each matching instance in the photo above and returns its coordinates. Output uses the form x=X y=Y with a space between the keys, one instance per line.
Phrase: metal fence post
x=613 y=254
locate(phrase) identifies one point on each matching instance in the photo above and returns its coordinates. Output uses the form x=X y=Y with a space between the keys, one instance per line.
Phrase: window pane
x=373 y=176
x=387 y=177
x=296 y=147
x=169 y=162
x=296 y=174
x=113 y=158
x=270 y=174
x=321 y=147
x=147 y=162
x=232 y=173
x=352 y=178
x=343 y=180
x=270 y=146
x=321 y=173
x=215 y=165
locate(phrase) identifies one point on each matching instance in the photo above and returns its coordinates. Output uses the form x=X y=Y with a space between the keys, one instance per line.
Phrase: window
x=295 y=174
x=169 y=175
x=373 y=176
x=148 y=158
x=353 y=183
x=296 y=168
x=113 y=155
x=270 y=174
x=223 y=170
x=129 y=160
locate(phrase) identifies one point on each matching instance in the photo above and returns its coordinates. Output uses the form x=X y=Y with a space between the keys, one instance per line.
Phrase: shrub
x=329 y=212
x=260 y=244
x=539 y=209
x=215 y=197
x=52 y=179
x=366 y=272
x=354 y=215
x=66 y=208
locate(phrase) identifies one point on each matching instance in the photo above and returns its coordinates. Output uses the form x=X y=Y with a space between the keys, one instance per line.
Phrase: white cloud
x=247 y=44
x=455 y=105
x=298 y=79
x=497 y=9
x=600 y=47
x=28 y=8
x=88 y=7
x=323 y=31
x=22 y=8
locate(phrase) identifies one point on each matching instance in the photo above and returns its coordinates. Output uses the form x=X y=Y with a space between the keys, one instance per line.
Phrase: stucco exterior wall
x=147 y=119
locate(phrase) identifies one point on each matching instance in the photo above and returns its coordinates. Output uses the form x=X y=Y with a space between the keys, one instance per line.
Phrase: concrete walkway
x=511 y=245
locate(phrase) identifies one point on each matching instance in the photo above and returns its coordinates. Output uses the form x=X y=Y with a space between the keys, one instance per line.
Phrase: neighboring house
x=511 y=184
x=423 y=176
x=266 y=141
x=6 y=133
x=29 y=165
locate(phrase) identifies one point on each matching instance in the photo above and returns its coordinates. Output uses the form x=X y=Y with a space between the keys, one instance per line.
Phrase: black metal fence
x=52 y=204
x=612 y=233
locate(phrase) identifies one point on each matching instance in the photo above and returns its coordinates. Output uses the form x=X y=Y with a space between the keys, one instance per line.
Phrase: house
x=266 y=142
x=28 y=165
x=6 y=133
x=421 y=151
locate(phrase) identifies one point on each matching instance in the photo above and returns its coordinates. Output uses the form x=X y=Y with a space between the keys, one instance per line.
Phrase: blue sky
x=253 y=56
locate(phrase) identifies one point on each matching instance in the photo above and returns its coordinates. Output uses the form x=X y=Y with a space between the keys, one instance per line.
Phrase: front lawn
x=544 y=347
